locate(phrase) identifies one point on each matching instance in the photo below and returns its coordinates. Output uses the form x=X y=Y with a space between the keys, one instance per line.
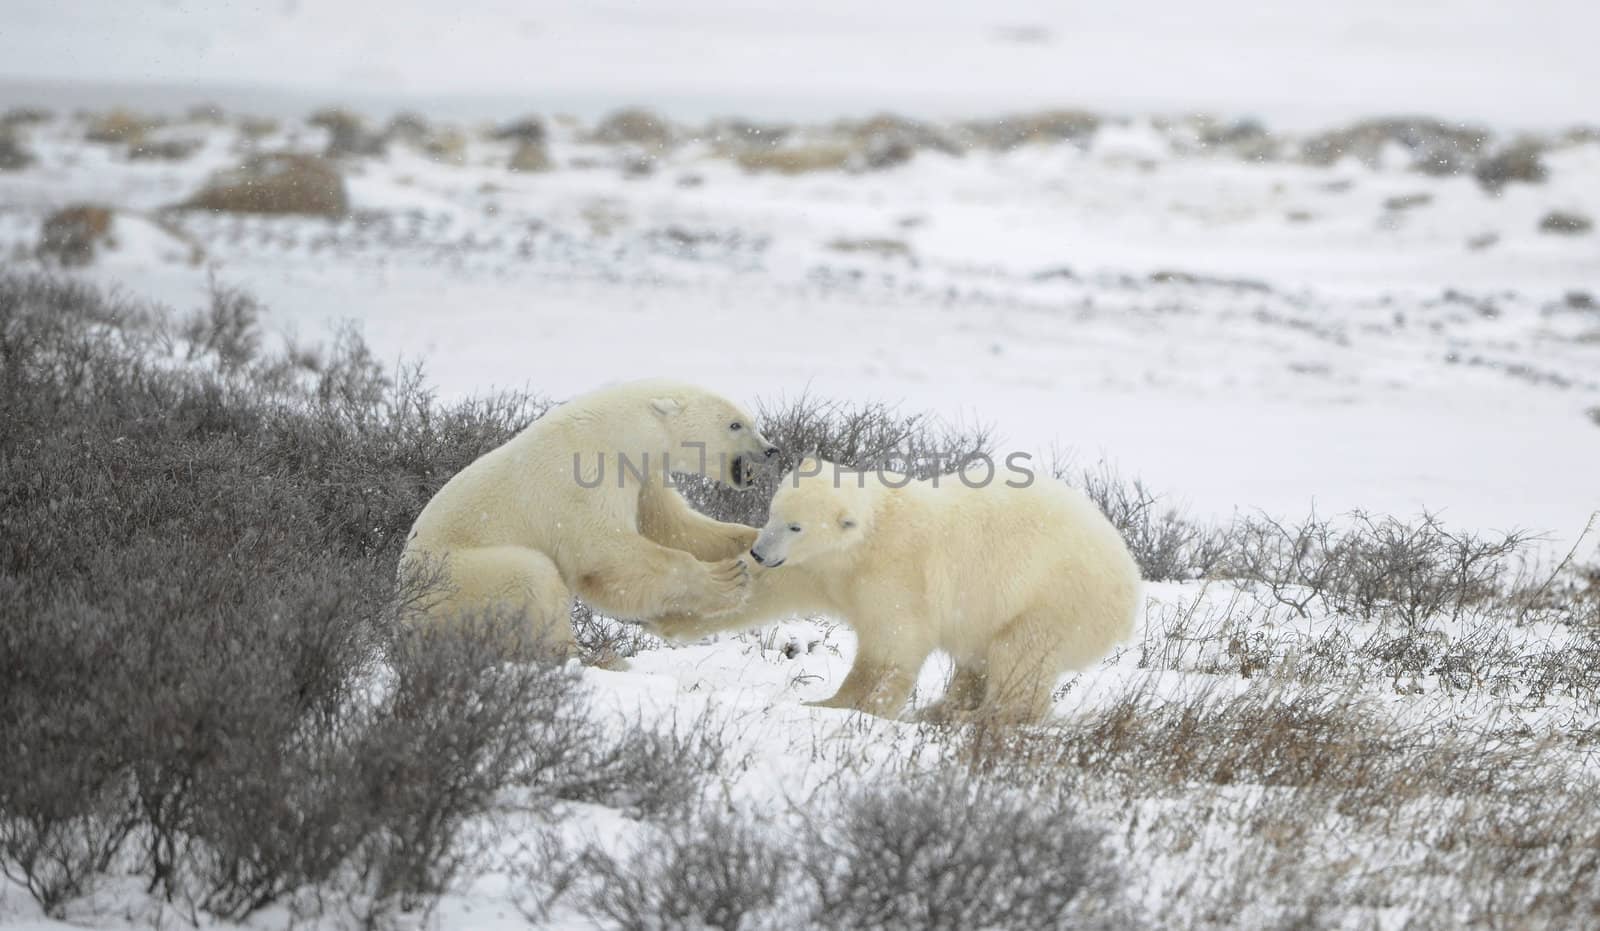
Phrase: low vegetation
x=74 y=234
x=276 y=183
x=14 y=156
x=209 y=681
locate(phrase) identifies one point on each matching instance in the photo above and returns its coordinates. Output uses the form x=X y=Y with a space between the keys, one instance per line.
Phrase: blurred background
x=1521 y=64
x=1266 y=256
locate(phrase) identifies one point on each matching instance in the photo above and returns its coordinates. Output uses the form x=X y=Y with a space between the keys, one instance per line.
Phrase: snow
x=1368 y=357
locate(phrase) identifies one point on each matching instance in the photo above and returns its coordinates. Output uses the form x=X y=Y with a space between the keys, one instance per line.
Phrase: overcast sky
x=1532 y=63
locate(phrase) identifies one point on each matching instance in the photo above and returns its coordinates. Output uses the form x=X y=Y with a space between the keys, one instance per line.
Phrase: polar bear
x=581 y=502
x=1018 y=581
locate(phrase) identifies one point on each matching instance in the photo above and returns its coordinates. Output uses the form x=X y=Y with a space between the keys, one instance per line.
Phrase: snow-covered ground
x=1245 y=334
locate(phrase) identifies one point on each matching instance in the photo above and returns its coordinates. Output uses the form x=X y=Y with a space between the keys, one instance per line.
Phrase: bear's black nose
x=758 y=557
x=772 y=451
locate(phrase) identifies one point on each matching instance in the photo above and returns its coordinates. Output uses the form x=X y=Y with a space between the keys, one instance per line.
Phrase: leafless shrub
x=542 y=869
x=65 y=805
x=605 y=642
x=228 y=327
x=1239 y=639
x=1376 y=568
x=1320 y=741
x=940 y=850
x=60 y=854
x=1318 y=808
x=451 y=735
x=637 y=769
x=1417 y=570
x=1167 y=543
x=198 y=581
x=709 y=871
x=1296 y=563
x=947 y=851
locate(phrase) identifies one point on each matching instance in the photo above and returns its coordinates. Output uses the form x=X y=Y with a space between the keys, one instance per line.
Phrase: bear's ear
x=666 y=407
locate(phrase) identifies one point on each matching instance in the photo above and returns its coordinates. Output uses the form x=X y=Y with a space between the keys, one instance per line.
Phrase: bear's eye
x=794 y=528
x=736 y=425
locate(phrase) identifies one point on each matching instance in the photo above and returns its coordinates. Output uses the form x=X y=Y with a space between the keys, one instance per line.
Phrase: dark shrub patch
x=209 y=677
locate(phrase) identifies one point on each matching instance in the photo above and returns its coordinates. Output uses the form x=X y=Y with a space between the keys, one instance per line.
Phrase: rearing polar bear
x=1018 y=583
x=580 y=502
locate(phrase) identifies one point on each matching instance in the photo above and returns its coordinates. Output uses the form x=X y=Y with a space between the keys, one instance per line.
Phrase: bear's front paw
x=729 y=589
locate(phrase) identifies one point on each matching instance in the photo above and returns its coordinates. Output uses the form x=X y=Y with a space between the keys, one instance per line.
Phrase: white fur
x=517 y=528
x=1018 y=585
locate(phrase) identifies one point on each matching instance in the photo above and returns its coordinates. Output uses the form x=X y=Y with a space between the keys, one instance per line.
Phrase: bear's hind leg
x=511 y=578
x=1025 y=662
x=964 y=695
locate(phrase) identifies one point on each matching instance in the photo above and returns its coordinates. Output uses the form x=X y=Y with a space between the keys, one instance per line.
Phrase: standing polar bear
x=1016 y=584
x=581 y=503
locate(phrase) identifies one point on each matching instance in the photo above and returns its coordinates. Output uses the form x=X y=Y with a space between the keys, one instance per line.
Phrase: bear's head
x=712 y=436
x=820 y=511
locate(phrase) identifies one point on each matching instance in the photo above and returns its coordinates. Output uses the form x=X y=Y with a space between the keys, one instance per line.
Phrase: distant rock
x=447 y=146
x=25 y=116
x=13 y=155
x=208 y=113
x=796 y=159
x=887 y=140
x=1046 y=126
x=530 y=157
x=1408 y=201
x=276 y=183
x=635 y=126
x=164 y=150
x=119 y=127
x=529 y=130
x=408 y=127
x=1519 y=161
x=348 y=135
x=1435 y=147
x=875 y=246
x=1246 y=138
x=1565 y=223
x=257 y=127
x=736 y=133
